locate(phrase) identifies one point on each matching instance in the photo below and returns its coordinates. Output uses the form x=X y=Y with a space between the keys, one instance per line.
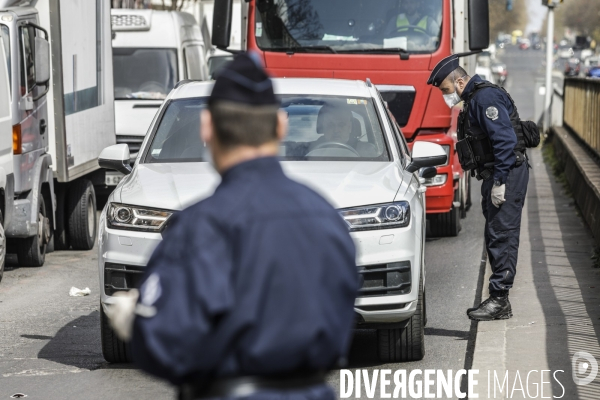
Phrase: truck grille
x=385 y=279
x=120 y=277
x=400 y=101
x=134 y=142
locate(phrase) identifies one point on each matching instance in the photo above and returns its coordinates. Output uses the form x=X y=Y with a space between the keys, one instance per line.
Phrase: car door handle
x=43 y=126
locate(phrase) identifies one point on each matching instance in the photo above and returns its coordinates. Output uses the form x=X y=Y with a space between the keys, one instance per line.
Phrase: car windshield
x=321 y=128
x=147 y=74
x=349 y=26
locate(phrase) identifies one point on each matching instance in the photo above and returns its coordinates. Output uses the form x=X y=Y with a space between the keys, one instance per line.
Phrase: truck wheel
x=2 y=246
x=61 y=240
x=31 y=251
x=82 y=215
x=445 y=224
x=114 y=349
x=408 y=343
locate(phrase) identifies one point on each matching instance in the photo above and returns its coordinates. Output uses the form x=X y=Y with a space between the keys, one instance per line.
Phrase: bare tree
x=505 y=21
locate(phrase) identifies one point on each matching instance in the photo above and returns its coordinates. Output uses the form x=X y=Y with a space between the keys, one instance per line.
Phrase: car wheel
x=114 y=349
x=445 y=224
x=408 y=343
x=82 y=215
x=31 y=251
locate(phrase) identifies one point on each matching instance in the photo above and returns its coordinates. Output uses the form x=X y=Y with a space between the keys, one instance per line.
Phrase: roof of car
x=315 y=86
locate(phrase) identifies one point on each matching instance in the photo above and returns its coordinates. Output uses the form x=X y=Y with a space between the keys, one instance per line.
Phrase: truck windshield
x=321 y=128
x=146 y=74
x=348 y=26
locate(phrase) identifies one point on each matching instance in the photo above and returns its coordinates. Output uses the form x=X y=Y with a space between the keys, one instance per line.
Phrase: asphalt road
x=50 y=342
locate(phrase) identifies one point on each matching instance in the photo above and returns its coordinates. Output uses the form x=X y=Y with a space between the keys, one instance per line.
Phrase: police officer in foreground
x=251 y=292
x=492 y=145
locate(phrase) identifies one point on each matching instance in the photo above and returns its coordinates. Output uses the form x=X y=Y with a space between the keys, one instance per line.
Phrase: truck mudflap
x=24 y=221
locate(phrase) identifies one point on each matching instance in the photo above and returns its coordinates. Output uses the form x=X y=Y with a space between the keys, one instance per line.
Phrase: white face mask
x=452 y=99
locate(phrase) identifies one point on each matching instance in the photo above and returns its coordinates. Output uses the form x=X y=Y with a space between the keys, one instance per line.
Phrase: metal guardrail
x=582 y=110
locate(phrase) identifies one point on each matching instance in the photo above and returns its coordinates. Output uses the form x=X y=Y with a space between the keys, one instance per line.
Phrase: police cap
x=244 y=81
x=443 y=69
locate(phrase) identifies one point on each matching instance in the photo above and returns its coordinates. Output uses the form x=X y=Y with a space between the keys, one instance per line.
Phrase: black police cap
x=245 y=81
x=443 y=69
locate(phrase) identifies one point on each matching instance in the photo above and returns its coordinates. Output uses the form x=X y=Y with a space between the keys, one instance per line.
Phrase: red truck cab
x=394 y=43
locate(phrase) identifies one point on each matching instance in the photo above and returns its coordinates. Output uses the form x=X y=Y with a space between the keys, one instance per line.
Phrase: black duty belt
x=248 y=385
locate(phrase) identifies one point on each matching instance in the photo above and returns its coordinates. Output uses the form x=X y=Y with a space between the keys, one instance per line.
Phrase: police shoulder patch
x=492 y=113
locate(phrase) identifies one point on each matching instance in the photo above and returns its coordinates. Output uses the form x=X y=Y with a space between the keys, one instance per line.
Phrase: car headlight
x=380 y=216
x=122 y=216
x=437 y=180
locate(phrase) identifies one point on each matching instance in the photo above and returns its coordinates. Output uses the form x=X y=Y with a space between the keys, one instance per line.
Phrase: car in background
x=525 y=44
x=373 y=179
x=589 y=64
x=485 y=73
x=572 y=67
x=500 y=73
x=594 y=72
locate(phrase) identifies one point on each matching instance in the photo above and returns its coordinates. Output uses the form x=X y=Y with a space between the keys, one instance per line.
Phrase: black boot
x=495 y=307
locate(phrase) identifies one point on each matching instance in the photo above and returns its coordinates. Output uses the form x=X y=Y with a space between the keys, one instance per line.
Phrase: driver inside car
x=412 y=17
x=338 y=126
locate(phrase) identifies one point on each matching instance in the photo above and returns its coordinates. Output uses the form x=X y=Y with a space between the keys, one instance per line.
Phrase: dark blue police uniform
x=503 y=224
x=257 y=280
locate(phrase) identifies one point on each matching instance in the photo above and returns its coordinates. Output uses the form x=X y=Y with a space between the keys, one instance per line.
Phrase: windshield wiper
x=303 y=49
x=404 y=55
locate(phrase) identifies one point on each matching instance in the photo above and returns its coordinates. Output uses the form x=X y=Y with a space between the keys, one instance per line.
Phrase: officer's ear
x=206 y=126
x=282 y=124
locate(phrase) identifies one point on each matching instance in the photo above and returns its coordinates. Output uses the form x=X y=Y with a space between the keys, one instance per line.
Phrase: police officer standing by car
x=251 y=292
x=492 y=145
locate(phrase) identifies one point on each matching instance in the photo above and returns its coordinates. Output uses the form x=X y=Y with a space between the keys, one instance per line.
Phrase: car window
x=332 y=128
x=320 y=128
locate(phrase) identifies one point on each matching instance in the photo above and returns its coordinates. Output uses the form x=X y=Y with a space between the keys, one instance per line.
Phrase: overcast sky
x=537 y=14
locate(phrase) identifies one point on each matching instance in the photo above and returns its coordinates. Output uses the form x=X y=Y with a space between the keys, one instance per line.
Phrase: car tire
x=408 y=343
x=82 y=221
x=2 y=246
x=31 y=251
x=445 y=224
x=114 y=350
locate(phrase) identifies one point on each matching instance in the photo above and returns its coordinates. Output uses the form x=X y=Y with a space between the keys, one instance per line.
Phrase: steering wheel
x=413 y=29
x=334 y=144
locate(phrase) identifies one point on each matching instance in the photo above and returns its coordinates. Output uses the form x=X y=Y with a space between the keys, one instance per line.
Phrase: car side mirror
x=479 y=24
x=425 y=154
x=115 y=157
x=428 y=172
x=42 y=61
x=221 y=28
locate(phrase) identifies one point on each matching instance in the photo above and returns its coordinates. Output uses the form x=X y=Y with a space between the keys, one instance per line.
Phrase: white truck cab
x=152 y=51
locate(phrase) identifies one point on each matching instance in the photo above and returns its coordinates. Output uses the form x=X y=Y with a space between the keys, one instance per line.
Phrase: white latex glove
x=122 y=313
x=498 y=195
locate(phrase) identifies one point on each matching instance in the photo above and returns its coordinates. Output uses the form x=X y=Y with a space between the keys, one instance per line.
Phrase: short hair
x=459 y=72
x=237 y=124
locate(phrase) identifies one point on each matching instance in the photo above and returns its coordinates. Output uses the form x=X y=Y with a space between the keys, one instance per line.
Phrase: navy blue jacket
x=500 y=130
x=258 y=279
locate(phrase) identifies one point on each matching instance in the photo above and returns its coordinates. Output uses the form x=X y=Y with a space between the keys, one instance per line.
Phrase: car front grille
x=134 y=142
x=120 y=277
x=385 y=279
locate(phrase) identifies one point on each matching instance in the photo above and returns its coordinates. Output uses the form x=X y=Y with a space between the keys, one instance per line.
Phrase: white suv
x=366 y=172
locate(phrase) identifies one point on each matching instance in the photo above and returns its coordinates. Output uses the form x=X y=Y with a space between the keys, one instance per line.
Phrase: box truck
x=62 y=115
